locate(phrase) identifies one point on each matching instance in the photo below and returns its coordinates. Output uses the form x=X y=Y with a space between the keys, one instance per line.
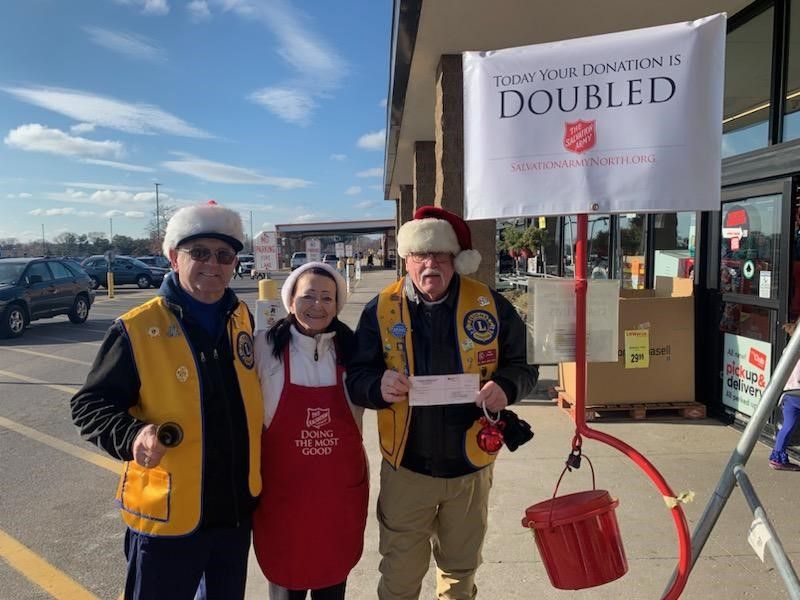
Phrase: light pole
x=44 y=253
x=110 y=231
x=251 y=232
x=158 y=218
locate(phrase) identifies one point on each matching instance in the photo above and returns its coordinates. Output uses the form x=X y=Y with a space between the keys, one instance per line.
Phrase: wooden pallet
x=685 y=410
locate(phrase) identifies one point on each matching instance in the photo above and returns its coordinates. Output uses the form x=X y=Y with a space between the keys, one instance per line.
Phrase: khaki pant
x=417 y=514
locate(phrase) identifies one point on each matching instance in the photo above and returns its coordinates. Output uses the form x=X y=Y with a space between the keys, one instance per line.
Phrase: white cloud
x=378 y=187
x=86 y=213
x=221 y=173
x=118 y=197
x=318 y=67
x=130 y=214
x=38 y=138
x=292 y=105
x=52 y=212
x=130 y=45
x=365 y=204
x=82 y=128
x=376 y=172
x=198 y=11
x=104 y=186
x=305 y=218
x=375 y=140
x=118 y=165
x=353 y=190
x=338 y=157
x=106 y=112
x=148 y=7
x=308 y=53
x=267 y=226
x=382 y=103
x=21 y=195
x=106 y=197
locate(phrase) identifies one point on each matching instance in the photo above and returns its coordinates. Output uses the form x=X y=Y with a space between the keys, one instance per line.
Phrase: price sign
x=637 y=348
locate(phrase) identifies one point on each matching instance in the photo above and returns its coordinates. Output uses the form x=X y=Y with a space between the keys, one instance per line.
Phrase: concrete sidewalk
x=690 y=454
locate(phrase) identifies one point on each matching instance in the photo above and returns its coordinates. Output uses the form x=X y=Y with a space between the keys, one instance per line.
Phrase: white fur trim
x=467 y=261
x=291 y=281
x=427 y=235
x=192 y=221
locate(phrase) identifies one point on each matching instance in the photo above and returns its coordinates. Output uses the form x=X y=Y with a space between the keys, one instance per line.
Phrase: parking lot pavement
x=61 y=535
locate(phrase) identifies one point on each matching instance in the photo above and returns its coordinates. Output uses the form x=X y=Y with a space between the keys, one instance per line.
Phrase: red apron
x=308 y=529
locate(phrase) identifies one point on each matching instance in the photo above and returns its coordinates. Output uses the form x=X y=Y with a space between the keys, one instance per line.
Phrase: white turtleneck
x=305 y=369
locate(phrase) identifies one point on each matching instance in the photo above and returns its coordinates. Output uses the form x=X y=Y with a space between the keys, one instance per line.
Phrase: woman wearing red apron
x=308 y=529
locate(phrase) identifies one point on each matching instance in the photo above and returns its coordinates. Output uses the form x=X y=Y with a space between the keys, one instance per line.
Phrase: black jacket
x=435 y=441
x=100 y=409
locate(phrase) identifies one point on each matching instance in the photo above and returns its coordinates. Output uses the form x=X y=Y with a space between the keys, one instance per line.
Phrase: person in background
x=186 y=358
x=779 y=459
x=435 y=477
x=308 y=530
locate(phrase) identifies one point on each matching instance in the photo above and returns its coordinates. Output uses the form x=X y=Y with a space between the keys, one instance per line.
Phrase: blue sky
x=269 y=106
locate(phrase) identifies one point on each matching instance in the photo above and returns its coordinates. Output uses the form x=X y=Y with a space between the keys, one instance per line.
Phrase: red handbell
x=490 y=437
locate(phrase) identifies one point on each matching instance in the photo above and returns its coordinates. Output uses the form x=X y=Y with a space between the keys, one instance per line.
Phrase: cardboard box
x=668 y=313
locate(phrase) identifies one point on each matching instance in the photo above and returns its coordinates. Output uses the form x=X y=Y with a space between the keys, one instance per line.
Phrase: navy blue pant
x=171 y=568
x=791 y=411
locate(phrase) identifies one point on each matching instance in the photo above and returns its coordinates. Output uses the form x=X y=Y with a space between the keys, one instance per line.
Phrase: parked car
x=126 y=270
x=247 y=261
x=160 y=261
x=298 y=259
x=330 y=259
x=37 y=288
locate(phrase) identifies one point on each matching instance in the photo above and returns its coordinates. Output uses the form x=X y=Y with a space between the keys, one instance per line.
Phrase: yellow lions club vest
x=477 y=329
x=166 y=500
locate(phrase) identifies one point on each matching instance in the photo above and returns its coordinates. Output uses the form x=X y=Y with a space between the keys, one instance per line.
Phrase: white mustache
x=431 y=273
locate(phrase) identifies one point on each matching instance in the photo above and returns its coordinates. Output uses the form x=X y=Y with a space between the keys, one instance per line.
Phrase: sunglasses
x=203 y=254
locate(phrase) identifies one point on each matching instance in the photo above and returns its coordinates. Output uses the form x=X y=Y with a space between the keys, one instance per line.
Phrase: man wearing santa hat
x=435 y=476
x=173 y=393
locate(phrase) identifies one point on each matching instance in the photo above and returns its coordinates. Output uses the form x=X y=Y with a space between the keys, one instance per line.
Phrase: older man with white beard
x=435 y=476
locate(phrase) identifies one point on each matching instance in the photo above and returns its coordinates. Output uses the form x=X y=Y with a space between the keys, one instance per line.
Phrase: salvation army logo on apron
x=244 y=349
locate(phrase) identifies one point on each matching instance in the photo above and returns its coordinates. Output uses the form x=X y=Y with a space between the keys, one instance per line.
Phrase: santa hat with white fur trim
x=208 y=220
x=435 y=229
x=287 y=290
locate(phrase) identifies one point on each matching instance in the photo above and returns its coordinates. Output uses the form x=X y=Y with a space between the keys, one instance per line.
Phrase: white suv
x=298 y=259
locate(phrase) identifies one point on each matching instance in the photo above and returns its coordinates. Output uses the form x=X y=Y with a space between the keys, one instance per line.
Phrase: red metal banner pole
x=684 y=537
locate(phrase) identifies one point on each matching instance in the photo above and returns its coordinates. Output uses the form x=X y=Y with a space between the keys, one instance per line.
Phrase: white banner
x=265 y=251
x=618 y=123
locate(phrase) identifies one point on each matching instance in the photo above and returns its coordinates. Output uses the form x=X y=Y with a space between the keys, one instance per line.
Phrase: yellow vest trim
x=477 y=328
x=166 y=500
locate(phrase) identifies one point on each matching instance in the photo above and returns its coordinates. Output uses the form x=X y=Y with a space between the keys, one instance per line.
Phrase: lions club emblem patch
x=244 y=349
x=481 y=326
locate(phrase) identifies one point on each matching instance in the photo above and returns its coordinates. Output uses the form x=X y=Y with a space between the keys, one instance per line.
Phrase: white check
x=432 y=390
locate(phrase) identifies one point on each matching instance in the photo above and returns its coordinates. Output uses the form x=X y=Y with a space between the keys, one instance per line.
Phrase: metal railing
x=734 y=473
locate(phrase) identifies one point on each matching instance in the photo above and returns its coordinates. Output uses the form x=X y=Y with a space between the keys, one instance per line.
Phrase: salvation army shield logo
x=579 y=136
x=318 y=417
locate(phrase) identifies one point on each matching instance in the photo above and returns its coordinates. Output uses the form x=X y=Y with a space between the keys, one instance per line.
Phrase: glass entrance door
x=752 y=288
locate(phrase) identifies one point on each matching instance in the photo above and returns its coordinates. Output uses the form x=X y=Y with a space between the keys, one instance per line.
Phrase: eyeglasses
x=309 y=299
x=420 y=257
x=203 y=254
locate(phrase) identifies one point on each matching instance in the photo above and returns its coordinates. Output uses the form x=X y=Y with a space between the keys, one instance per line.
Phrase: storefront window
x=750 y=245
x=631 y=254
x=791 y=122
x=674 y=241
x=748 y=59
x=597 y=263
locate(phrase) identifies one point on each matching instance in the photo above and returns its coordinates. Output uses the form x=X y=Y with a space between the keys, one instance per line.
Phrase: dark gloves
x=516 y=431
